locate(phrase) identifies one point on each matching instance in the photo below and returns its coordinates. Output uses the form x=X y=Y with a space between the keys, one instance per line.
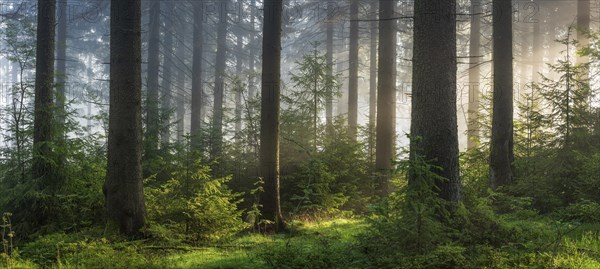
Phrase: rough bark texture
x=269 y=114
x=152 y=113
x=44 y=78
x=386 y=92
x=434 y=127
x=501 y=152
x=167 y=83
x=353 y=72
x=329 y=45
x=197 y=90
x=474 y=75
x=123 y=188
x=220 y=64
x=373 y=78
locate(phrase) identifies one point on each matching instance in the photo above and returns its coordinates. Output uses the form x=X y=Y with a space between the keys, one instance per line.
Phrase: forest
x=417 y=134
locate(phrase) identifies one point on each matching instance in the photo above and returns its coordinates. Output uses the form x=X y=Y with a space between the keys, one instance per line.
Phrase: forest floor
x=315 y=244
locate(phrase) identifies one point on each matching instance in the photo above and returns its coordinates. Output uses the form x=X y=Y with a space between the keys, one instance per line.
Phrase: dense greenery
x=201 y=217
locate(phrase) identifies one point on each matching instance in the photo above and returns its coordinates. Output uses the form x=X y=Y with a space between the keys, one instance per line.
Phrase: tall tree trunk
x=181 y=96
x=353 y=72
x=386 y=95
x=269 y=114
x=537 y=55
x=167 y=83
x=152 y=112
x=373 y=79
x=238 y=72
x=434 y=131
x=252 y=58
x=61 y=60
x=123 y=190
x=44 y=78
x=501 y=152
x=583 y=27
x=197 y=89
x=329 y=42
x=220 y=64
x=474 y=75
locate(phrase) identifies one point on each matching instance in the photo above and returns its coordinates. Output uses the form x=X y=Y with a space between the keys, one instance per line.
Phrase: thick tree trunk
x=197 y=89
x=373 y=78
x=152 y=112
x=501 y=152
x=44 y=78
x=434 y=131
x=123 y=188
x=474 y=75
x=386 y=96
x=167 y=83
x=219 y=92
x=353 y=72
x=269 y=115
x=329 y=45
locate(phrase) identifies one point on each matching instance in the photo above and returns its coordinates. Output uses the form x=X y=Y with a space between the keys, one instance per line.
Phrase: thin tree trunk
x=123 y=188
x=44 y=78
x=329 y=42
x=252 y=59
x=474 y=75
x=238 y=72
x=152 y=112
x=269 y=120
x=386 y=96
x=61 y=60
x=180 y=55
x=167 y=78
x=501 y=152
x=434 y=132
x=353 y=72
x=373 y=79
x=197 y=89
x=219 y=92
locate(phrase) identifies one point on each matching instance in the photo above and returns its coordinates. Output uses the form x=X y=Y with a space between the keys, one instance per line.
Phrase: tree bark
x=474 y=75
x=123 y=188
x=181 y=96
x=197 y=87
x=219 y=92
x=252 y=58
x=152 y=112
x=373 y=78
x=167 y=83
x=238 y=72
x=386 y=96
x=434 y=131
x=329 y=45
x=353 y=72
x=44 y=78
x=501 y=152
x=61 y=60
x=269 y=116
